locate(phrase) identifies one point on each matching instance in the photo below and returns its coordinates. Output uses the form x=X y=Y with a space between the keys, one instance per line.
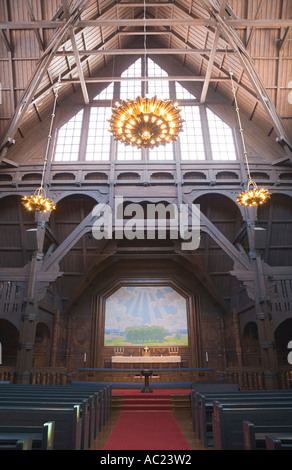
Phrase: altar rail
x=38 y=376
x=130 y=375
x=248 y=378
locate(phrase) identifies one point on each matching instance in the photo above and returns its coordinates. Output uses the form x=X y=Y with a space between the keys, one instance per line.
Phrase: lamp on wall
x=146 y=122
x=38 y=202
x=252 y=196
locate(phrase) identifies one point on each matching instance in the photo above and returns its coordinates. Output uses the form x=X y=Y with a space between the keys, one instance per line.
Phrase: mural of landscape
x=146 y=315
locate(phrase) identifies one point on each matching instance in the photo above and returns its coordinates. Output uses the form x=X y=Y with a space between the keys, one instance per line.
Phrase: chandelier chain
x=56 y=91
x=240 y=125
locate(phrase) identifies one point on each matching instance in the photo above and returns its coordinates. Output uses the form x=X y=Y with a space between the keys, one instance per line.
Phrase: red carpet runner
x=150 y=425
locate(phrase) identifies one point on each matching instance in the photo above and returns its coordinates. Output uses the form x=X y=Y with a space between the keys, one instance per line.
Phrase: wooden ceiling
x=42 y=41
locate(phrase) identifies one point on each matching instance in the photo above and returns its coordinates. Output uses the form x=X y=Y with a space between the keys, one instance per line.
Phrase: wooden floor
x=182 y=417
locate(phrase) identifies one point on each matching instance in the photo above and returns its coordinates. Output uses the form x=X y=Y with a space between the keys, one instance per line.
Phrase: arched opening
x=283 y=336
x=9 y=339
x=276 y=217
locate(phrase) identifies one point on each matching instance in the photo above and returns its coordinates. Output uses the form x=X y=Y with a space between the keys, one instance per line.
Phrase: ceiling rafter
x=36 y=78
x=75 y=52
x=236 y=24
x=212 y=55
x=36 y=31
x=256 y=80
x=114 y=25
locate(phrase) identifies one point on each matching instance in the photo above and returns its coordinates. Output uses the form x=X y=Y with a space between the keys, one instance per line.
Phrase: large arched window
x=86 y=136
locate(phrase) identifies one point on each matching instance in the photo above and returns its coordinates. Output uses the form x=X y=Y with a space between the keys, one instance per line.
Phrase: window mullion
x=205 y=130
x=84 y=134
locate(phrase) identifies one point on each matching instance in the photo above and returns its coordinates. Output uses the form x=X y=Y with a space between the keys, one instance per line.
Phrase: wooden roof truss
x=121 y=22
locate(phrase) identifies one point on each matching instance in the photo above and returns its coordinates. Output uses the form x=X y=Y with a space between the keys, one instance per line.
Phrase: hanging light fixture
x=146 y=122
x=252 y=196
x=38 y=202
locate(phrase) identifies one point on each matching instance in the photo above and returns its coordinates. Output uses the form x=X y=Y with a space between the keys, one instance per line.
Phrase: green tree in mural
x=145 y=334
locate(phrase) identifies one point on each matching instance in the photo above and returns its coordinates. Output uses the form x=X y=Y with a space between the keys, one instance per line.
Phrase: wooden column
x=263 y=315
x=266 y=330
x=56 y=335
x=238 y=348
x=29 y=320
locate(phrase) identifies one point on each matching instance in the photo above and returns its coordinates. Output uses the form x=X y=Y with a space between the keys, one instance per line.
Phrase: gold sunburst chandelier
x=146 y=122
x=38 y=202
x=252 y=196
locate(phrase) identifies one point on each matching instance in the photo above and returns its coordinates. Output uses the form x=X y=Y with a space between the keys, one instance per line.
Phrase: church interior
x=145 y=215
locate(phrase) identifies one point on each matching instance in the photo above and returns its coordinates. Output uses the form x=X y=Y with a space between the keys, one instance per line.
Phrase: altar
x=145 y=361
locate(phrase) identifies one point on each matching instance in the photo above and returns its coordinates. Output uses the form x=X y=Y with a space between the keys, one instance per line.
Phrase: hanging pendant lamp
x=252 y=196
x=38 y=202
x=146 y=122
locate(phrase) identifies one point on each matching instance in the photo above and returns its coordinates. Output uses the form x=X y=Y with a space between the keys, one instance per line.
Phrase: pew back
x=42 y=436
x=67 y=421
x=228 y=419
x=255 y=436
x=279 y=443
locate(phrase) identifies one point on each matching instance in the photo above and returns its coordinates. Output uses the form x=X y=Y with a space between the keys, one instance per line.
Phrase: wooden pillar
x=29 y=320
x=238 y=348
x=266 y=331
x=56 y=335
x=268 y=354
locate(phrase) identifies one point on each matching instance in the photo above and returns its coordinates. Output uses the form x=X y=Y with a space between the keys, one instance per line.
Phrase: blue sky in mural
x=136 y=306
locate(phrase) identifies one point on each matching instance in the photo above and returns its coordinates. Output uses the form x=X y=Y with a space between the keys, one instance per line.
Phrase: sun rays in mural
x=146 y=314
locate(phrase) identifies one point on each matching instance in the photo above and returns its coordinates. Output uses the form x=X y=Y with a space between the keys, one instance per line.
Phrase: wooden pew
x=255 y=436
x=67 y=421
x=42 y=436
x=14 y=443
x=208 y=387
x=99 y=398
x=205 y=405
x=60 y=402
x=228 y=419
x=279 y=442
x=105 y=391
x=211 y=396
x=91 y=413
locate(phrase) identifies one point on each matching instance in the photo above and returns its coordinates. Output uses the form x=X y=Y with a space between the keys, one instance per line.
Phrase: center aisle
x=146 y=430
x=147 y=422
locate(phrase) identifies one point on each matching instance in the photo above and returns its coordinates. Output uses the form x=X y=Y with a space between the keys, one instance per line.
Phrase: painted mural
x=146 y=315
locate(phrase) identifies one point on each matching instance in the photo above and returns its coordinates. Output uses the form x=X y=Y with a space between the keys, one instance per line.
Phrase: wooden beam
x=255 y=79
x=175 y=78
x=207 y=226
x=85 y=226
x=36 y=31
x=154 y=51
x=79 y=66
x=234 y=23
x=252 y=30
x=76 y=54
x=212 y=55
x=36 y=79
